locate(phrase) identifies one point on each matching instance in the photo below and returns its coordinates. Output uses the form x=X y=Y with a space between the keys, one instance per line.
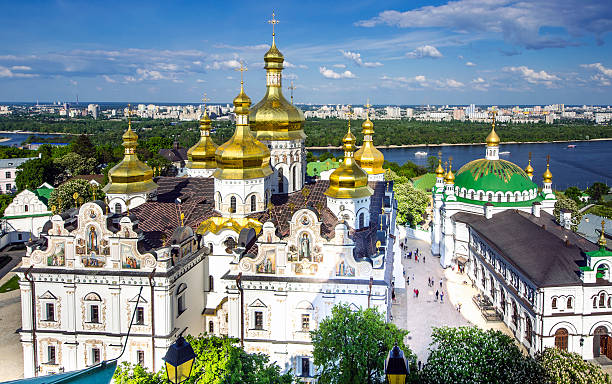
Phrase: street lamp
x=179 y=361
x=396 y=366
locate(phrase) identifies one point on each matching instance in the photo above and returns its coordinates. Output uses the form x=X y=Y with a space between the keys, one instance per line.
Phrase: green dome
x=493 y=175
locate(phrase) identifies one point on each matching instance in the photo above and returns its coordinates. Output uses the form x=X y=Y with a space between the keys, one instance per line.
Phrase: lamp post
x=179 y=361
x=396 y=366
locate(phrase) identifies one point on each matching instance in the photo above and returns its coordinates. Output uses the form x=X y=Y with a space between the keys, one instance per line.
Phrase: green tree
x=32 y=173
x=432 y=163
x=411 y=203
x=128 y=373
x=62 y=197
x=83 y=147
x=471 y=355
x=563 y=367
x=350 y=347
x=76 y=164
x=5 y=200
x=565 y=203
x=597 y=190
x=573 y=193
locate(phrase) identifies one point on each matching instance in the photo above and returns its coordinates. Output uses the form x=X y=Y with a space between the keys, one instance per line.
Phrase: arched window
x=602 y=300
x=514 y=315
x=480 y=196
x=280 y=181
x=361 y=220
x=595 y=302
x=233 y=204
x=570 y=303
x=472 y=195
x=25 y=207
x=528 y=330
x=561 y=339
x=117 y=207
x=210 y=248
x=554 y=303
x=219 y=200
x=253 y=203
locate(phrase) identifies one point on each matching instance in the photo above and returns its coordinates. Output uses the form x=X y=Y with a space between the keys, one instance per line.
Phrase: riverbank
x=465 y=144
x=40 y=133
x=3 y=139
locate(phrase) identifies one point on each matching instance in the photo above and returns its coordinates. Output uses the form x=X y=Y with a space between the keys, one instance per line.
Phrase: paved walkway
x=11 y=353
x=419 y=315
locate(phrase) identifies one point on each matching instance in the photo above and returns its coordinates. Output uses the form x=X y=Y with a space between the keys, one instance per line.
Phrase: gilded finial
x=242 y=70
x=129 y=116
x=547 y=176
x=349 y=114
x=529 y=168
x=493 y=138
x=182 y=219
x=75 y=196
x=106 y=202
x=273 y=21
x=602 y=238
x=204 y=100
x=94 y=189
x=367 y=105
x=291 y=88
x=54 y=209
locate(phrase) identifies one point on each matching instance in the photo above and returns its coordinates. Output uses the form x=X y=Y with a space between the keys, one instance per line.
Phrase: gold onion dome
x=547 y=175
x=275 y=118
x=602 y=237
x=492 y=138
x=440 y=171
x=131 y=175
x=348 y=181
x=450 y=176
x=242 y=156
x=202 y=154
x=529 y=168
x=368 y=157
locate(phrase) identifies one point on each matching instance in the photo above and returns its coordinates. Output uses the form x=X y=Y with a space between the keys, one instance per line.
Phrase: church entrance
x=602 y=343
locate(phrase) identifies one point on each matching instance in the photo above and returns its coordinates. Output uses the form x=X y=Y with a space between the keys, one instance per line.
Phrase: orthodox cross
x=349 y=114
x=494 y=113
x=273 y=22
x=368 y=105
x=129 y=116
x=547 y=160
x=204 y=100
x=242 y=69
x=291 y=88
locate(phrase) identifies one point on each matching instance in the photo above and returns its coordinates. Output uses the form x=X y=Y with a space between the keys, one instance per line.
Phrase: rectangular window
x=140 y=358
x=8 y=188
x=258 y=320
x=8 y=175
x=305 y=367
x=305 y=322
x=94 y=314
x=140 y=315
x=51 y=354
x=49 y=312
x=95 y=356
x=211 y=327
x=181 y=304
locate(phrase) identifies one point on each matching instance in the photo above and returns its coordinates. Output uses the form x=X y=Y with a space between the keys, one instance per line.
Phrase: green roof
x=31 y=215
x=601 y=252
x=424 y=182
x=314 y=168
x=493 y=175
x=504 y=204
x=43 y=194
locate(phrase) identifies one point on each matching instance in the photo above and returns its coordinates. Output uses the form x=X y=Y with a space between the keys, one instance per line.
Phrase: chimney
x=567 y=243
x=566 y=219
x=535 y=209
x=488 y=208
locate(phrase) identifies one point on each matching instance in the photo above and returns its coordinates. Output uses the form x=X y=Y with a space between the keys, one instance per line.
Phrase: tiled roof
x=174 y=154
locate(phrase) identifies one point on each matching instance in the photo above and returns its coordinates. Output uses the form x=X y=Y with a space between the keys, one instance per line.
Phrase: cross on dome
x=273 y=21
x=242 y=69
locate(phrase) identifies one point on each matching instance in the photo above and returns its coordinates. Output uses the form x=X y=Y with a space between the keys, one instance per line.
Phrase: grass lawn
x=10 y=285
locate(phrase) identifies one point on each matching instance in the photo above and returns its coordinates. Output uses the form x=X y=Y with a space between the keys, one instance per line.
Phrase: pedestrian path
x=420 y=314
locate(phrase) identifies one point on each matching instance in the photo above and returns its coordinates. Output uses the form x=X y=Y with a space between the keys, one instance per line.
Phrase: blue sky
x=394 y=52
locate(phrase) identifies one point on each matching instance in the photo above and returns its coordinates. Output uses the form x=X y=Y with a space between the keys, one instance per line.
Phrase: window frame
x=90 y=312
x=51 y=354
x=47 y=317
x=96 y=359
x=140 y=315
x=258 y=317
x=305 y=322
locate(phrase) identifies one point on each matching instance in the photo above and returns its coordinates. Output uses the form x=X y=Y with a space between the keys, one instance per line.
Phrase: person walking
x=437 y=294
x=442 y=297
x=416 y=258
x=417 y=293
x=423 y=259
x=440 y=283
x=408 y=280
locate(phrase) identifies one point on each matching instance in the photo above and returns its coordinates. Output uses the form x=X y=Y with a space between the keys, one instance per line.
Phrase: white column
x=70 y=307
x=115 y=309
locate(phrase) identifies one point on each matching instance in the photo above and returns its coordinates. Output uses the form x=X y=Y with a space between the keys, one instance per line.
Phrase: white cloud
x=478 y=80
x=227 y=64
x=532 y=76
x=339 y=66
x=356 y=58
x=425 y=51
x=290 y=76
x=453 y=83
x=288 y=64
x=5 y=72
x=109 y=79
x=257 y=47
x=147 y=74
x=21 y=68
x=167 y=67
x=470 y=64
x=73 y=82
x=517 y=22
x=200 y=81
x=599 y=67
x=331 y=74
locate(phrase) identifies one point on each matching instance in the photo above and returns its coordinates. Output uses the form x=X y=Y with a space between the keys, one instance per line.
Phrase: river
x=581 y=166
x=15 y=139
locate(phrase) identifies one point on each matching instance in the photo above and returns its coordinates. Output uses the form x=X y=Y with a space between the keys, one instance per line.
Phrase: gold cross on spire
x=367 y=105
x=494 y=113
x=273 y=21
x=204 y=100
x=242 y=69
x=349 y=114
x=291 y=88
x=129 y=116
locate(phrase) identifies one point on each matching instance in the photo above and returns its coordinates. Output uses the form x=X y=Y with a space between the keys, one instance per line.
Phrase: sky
x=459 y=52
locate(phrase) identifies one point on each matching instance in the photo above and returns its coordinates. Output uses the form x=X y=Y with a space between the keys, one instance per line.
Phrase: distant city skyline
x=437 y=52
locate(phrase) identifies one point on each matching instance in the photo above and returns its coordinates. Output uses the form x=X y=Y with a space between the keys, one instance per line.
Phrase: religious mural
x=94 y=258
x=344 y=270
x=268 y=264
x=128 y=260
x=58 y=258
x=306 y=268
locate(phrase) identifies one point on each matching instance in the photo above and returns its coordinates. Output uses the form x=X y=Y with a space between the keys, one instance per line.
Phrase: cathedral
x=242 y=246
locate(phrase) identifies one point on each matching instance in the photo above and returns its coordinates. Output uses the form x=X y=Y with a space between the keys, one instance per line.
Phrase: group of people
x=408 y=254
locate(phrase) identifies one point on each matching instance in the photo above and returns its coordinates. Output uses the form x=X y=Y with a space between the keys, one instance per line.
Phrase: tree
x=473 y=356
x=563 y=367
x=33 y=173
x=219 y=360
x=432 y=163
x=411 y=203
x=62 y=197
x=597 y=190
x=565 y=203
x=5 y=200
x=350 y=347
x=76 y=164
x=83 y=147
x=573 y=193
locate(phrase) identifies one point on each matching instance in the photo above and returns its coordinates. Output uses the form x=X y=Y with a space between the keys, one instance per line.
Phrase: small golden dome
x=368 y=157
x=450 y=176
x=492 y=138
x=439 y=170
x=602 y=237
x=273 y=58
x=131 y=175
x=547 y=175
x=348 y=181
x=529 y=168
x=202 y=154
x=242 y=156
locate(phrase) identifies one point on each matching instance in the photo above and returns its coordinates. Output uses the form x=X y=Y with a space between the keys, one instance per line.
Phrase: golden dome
x=602 y=237
x=439 y=170
x=242 y=156
x=547 y=175
x=275 y=118
x=368 y=157
x=529 y=168
x=492 y=138
x=131 y=175
x=202 y=154
x=348 y=181
x=450 y=176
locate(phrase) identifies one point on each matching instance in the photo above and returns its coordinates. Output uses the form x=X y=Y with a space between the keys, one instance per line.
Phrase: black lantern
x=179 y=361
x=396 y=366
